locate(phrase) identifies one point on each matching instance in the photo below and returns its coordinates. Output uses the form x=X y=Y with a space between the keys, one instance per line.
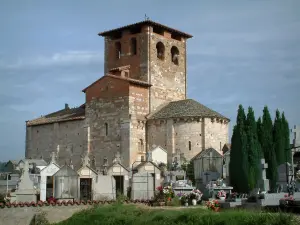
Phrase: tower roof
x=142 y=23
x=185 y=108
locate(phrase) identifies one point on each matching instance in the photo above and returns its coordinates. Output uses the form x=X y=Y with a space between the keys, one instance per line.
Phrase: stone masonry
x=138 y=104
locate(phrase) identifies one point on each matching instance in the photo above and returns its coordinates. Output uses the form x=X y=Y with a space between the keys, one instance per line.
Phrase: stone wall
x=168 y=79
x=190 y=136
x=42 y=140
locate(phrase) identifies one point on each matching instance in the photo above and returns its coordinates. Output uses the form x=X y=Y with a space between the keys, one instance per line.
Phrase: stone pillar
x=124 y=148
x=170 y=140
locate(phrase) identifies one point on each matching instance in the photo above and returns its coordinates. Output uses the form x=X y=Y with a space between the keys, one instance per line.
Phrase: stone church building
x=140 y=103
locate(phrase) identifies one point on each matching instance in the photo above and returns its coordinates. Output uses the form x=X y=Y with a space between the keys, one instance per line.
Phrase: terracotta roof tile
x=145 y=22
x=185 y=108
x=66 y=114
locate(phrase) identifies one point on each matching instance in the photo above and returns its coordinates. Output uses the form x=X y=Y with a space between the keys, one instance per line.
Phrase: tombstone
x=176 y=164
x=26 y=191
x=182 y=186
x=47 y=183
x=296 y=139
x=283 y=171
x=105 y=188
x=264 y=183
x=209 y=176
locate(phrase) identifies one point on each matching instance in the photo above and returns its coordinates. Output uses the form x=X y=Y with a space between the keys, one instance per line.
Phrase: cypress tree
x=286 y=138
x=268 y=147
x=278 y=138
x=238 y=166
x=253 y=148
x=260 y=136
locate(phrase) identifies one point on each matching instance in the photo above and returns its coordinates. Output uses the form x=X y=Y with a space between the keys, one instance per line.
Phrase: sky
x=243 y=52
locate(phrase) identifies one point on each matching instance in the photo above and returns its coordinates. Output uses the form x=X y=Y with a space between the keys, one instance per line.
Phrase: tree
x=238 y=166
x=253 y=149
x=268 y=147
x=278 y=138
x=260 y=136
x=286 y=138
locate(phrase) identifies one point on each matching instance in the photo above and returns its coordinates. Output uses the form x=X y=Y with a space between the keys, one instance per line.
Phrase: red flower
x=159 y=188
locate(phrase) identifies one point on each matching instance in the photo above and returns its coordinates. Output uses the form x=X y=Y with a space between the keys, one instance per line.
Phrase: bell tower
x=152 y=53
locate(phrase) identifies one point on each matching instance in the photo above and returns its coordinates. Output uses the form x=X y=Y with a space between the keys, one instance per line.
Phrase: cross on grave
x=26 y=166
x=263 y=166
x=86 y=160
x=105 y=165
x=117 y=158
x=53 y=157
x=296 y=132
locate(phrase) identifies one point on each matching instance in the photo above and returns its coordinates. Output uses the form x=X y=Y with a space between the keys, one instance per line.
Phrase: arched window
x=175 y=55
x=190 y=146
x=160 y=50
x=141 y=145
x=133 y=46
x=118 y=50
x=106 y=129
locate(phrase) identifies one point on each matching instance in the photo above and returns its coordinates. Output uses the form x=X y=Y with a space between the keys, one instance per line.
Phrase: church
x=139 y=104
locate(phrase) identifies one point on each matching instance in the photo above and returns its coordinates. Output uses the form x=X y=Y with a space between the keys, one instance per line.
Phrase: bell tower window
x=118 y=49
x=106 y=129
x=133 y=46
x=160 y=50
x=175 y=55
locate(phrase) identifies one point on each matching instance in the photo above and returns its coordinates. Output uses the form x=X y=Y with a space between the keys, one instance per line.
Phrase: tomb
x=66 y=183
x=26 y=191
x=145 y=179
x=285 y=172
x=46 y=183
x=88 y=179
x=119 y=173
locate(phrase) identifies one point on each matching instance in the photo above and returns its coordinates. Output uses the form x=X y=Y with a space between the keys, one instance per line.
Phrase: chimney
x=67 y=106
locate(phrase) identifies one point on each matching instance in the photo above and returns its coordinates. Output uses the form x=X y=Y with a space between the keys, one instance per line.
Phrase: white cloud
x=58 y=59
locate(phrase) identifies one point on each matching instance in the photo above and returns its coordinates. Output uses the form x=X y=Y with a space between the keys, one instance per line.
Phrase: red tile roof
x=145 y=22
x=63 y=115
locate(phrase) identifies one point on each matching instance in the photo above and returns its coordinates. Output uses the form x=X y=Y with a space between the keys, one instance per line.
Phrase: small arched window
x=118 y=49
x=190 y=146
x=141 y=145
x=133 y=46
x=175 y=55
x=106 y=129
x=160 y=50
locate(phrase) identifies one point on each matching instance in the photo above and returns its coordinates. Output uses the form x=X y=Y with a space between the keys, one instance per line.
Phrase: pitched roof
x=185 y=108
x=130 y=80
x=65 y=114
x=38 y=162
x=205 y=152
x=145 y=22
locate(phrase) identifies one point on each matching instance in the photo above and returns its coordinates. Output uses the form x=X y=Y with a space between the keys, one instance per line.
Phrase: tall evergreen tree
x=278 y=138
x=268 y=147
x=286 y=137
x=253 y=149
x=238 y=166
x=260 y=136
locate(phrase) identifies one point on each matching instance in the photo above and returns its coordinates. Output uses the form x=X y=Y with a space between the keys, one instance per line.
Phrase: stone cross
x=263 y=166
x=105 y=165
x=296 y=139
x=26 y=166
x=86 y=160
x=53 y=157
x=264 y=184
x=149 y=156
x=117 y=158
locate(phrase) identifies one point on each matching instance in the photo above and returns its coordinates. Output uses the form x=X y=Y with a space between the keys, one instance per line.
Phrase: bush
x=117 y=214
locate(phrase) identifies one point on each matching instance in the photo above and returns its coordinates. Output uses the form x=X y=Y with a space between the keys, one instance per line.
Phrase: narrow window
x=118 y=50
x=106 y=129
x=175 y=55
x=160 y=50
x=142 y=158
x=133 y=46
x=190 y=146
x=141 y=145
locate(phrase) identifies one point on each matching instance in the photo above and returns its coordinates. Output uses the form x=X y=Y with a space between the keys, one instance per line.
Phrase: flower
x=221 y=193
x=213 y=205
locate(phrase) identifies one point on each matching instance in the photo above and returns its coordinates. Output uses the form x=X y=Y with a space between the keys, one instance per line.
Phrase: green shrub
x=118 y=214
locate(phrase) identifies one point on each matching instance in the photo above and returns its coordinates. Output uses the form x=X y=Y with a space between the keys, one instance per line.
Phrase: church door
x=85 y=189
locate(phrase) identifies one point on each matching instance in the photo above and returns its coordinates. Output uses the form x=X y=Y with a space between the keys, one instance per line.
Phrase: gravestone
x=283 y=171
x=208 y=176
x=296 y=139
x=26 y=191
x=264 y=183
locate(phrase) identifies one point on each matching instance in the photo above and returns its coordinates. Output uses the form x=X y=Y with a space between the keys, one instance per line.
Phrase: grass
x=118 y=214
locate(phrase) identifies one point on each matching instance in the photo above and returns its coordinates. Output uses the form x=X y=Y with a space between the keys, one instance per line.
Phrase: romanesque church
x=140 y=103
